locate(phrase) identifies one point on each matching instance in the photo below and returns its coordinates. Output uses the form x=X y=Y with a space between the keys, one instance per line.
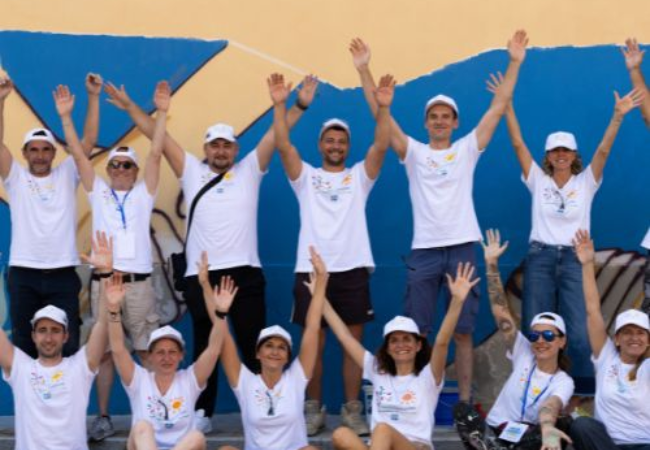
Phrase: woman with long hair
x=622 y=402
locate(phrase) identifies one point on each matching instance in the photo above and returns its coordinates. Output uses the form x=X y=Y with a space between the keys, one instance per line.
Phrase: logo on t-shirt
x=166 y=412
x=441 y=166
x=326 y=189
x=44 y=191
x=46 y=386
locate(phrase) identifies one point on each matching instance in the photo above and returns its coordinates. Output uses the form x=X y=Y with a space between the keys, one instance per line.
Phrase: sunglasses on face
x=117 y=164
x=547 y=335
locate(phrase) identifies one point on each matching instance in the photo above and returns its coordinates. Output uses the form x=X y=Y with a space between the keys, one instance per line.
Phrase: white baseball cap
x=334 y=123
x=274 y=331
x=561 y=139
x=632 y=317
x=39 y=134
x=220 y=131
x=549 y=318
x=441 y=99
x=166 y=332
x=53 y=313
x=401 y=323
x=126 y=152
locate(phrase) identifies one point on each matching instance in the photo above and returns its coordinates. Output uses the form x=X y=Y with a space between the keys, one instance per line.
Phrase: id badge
x=513 y=432
x=125 y=245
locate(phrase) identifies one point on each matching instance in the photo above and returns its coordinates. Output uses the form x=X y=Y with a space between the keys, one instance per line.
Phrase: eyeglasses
x=271 y=411
x=117 y=164
x=548 y=336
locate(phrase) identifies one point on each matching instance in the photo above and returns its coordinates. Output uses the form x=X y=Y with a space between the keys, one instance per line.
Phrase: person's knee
x=381 y=431
x=194 y=440
x=343 y=438
x=142 y=428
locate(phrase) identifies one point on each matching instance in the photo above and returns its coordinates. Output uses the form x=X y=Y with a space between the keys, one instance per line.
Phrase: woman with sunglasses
x=525 y=414
x=622 y=403
x=271 y=402
x=406 y=373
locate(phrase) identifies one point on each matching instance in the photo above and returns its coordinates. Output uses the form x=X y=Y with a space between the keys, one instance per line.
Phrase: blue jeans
x=553 y=283
x=590 y=434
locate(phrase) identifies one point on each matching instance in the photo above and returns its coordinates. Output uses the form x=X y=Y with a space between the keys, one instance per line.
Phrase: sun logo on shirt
x=347 y=180
x=572 y=194
x=177 y=404
x=228 y=176
x=450 y=157
x=536 y=390
x=408 y=398
x=56 y=376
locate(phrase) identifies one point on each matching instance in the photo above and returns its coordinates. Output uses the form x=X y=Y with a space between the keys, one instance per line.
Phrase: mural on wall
x=557 y=89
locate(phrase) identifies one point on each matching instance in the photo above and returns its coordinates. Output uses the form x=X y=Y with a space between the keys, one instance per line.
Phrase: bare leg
x=351 y=371
x=142 y=437
x=314 y=388
x=194 y=440
x=344 y=438
x=104 y=382
x=385 y=437
x=464 y=364
x=228 y=447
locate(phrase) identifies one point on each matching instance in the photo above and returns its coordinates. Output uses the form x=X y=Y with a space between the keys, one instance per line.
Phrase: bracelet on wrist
x=301 y=106
x=105 y=274
x=114 y=316
x=220 y=315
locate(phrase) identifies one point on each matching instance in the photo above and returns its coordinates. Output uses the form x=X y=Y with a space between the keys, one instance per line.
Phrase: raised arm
x=377 y=152
x=162 y=99
x=548 y=413
x=6 y=353
x=289 y=156
x=361 y=58
x=514 y=131
x=596 y=329
x=305 y=96
x=633 y=59
x=342 y=333
x=309 y=344
x=621 y=107
x=459 y=288
x=6 y=86
x=101 y=258
x=498 y=299
x=91 y=125
x=173 y=152
x=64 y=102
x=503 y=95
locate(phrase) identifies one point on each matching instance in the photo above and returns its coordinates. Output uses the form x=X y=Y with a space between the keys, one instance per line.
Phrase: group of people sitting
x=224 y=289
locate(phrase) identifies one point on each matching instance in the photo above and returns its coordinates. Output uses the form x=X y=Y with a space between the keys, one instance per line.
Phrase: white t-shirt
x=225 y=219
x=622 y=405
x=407 y=403
x=50 y=402
x=131 y=239
x=646 y=240
x=43 y=216
x=558 y=213
x=441 y=184
x=333 y=217
x=273 y=418
x=542 y=386
x=171 y=414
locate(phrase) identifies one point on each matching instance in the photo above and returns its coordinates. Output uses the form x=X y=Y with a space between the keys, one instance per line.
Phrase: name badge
x=513 y=432
x=124 y=245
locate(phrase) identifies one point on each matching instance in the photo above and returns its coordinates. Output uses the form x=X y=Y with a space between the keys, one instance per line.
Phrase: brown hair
x=386 y=364
x=576 y=165
x=632 y=375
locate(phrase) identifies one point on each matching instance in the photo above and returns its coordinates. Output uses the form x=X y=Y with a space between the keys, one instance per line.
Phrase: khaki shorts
x=139 y=315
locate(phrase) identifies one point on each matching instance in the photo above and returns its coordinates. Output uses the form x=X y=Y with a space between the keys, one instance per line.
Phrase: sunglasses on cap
x=117 y=164
x=548 y=336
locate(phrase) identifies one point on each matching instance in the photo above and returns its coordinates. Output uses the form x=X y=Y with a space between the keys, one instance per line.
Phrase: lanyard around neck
x=120 y=205
x=524 y=400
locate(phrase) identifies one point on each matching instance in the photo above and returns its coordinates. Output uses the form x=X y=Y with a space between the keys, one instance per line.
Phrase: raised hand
x=311 y=284
x=517 y=46
x=114 y=292
x=204 y=277
x=308 y=90
x=63 y=100
x=632 y=53
x=6 y=86
x=552 y=437
x=94 y=84
x=162 y=96
x=385 y=90
x=494 y=82
x=584 y=247
x=224 y=294
x=277 y=89
x=360 y=53
x=625 y=104
x=117 y=97
x=101 y=256
x=463 y=283
x=317 y=262
x=493 y=249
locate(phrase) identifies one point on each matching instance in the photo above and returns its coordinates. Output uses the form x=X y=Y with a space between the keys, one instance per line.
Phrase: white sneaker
x=351 y=417
x=201 y=422
x=314 y=417
x=100 y=429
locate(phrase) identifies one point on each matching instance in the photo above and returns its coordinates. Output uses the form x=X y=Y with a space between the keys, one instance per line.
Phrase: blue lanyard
x=525 y=398
x=120 y=206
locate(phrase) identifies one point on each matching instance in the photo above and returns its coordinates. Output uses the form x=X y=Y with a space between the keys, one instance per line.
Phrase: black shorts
x=348 y=292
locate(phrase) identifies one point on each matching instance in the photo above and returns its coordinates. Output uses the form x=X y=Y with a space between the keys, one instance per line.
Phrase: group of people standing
x=226 y=287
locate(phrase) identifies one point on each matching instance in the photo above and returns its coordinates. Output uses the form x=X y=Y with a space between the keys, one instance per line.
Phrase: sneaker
x=201 y=422
x=351 y=417
x=100 y=429
x=314 y=417
x=471 y=426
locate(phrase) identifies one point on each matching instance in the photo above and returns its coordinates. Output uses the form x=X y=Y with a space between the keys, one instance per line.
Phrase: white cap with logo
x=220 y=131
x=53 y=313
x=39 y=134
x=561 y=139
x=126 y=152
x=334 y=123
x=401 y=323
x=166 y=332
x=632 y=317
x=441 y=99
x=274 y=331
x=549 y=318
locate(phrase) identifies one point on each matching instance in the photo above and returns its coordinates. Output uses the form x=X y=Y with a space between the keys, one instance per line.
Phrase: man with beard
x=332 y=203
x=43 y=205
